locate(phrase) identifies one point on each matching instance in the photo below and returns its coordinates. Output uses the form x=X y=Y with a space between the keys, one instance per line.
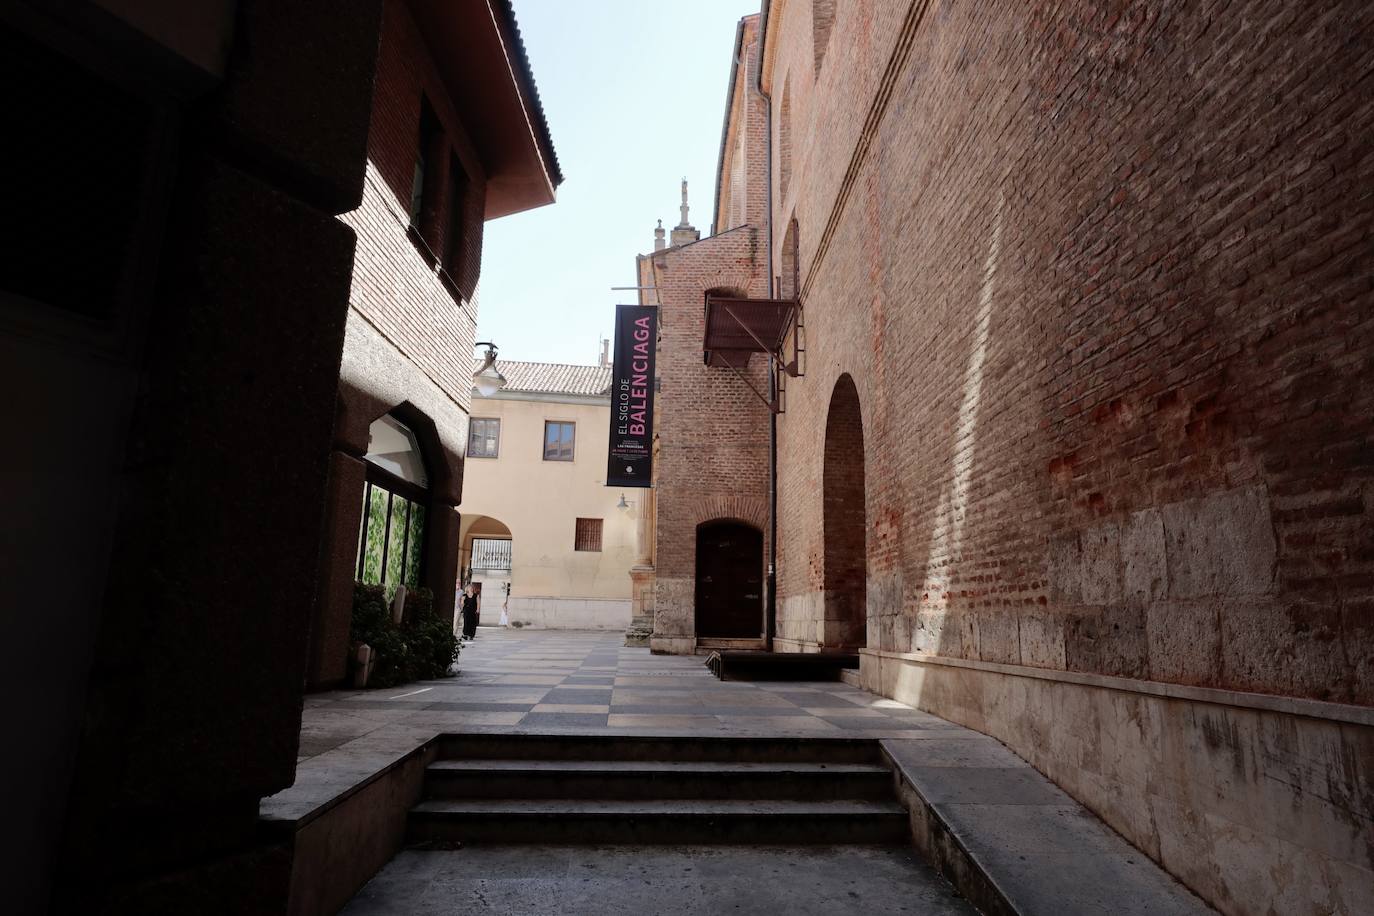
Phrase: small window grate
x=588 y=534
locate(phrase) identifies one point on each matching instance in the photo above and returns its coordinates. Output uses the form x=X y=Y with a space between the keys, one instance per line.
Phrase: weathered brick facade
x=412 y=319
x=1102 y=278
x=712 y=462
x=1099 y=275
x=712 y=439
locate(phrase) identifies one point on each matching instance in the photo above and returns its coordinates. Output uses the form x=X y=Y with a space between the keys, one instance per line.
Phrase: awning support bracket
x=772 y=405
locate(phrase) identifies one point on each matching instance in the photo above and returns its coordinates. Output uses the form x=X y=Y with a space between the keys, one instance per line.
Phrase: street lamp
x=487 y=380
x=624 y=505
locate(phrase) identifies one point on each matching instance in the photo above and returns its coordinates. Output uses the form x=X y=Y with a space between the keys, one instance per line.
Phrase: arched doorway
x=486 y=557
x=391 y=540
x=845 y=525
x=729 y=580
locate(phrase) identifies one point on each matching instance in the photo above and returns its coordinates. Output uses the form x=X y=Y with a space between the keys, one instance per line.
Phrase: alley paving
x=1043 y=851
x=586 y=682
x=552 y=681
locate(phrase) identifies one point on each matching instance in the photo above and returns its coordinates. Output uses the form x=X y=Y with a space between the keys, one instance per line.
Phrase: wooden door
x=729 y=593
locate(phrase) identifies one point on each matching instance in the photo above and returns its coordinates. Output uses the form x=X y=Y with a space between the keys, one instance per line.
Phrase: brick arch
x=844 y=521
x=753 y=511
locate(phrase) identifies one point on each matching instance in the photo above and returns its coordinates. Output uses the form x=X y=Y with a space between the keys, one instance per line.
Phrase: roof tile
x=553 y=378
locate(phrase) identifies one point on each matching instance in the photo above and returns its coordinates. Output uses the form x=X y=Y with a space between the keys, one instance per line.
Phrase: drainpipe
x=771 y=607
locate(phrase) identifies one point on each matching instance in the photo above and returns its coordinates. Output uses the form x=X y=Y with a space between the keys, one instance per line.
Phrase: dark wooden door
x=729 y=581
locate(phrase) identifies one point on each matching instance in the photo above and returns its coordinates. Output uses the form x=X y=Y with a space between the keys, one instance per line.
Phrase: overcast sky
x=634 y=93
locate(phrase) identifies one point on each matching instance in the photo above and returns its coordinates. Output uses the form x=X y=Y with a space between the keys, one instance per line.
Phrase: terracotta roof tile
x=553 y=378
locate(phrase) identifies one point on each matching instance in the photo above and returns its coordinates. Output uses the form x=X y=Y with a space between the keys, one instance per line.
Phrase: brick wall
x=420 y=296
x=743 y=196
x=1102 y=274
x=712 y=460
x=712 y=428
x=844 y=527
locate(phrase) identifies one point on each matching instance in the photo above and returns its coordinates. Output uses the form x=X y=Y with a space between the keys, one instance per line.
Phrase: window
x=587 y=536
x=391 y=538
x=490 y=555
x=484 y=438
x=423 y=184
x=558 y=440
x=457 y=197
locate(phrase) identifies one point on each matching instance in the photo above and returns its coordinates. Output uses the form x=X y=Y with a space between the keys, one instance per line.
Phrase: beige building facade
x=541 y=533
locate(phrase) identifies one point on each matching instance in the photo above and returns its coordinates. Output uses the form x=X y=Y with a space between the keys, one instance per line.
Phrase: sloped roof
x=553 y=378
x=542 y=122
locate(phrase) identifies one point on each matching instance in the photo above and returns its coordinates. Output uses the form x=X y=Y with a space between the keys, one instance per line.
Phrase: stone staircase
x=644 y=790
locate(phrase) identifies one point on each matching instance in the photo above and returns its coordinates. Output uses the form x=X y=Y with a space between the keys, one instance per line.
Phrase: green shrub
x=433 y=645
x=422 y=647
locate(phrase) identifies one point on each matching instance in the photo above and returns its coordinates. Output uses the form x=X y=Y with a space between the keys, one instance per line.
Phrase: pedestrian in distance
x=469 y=613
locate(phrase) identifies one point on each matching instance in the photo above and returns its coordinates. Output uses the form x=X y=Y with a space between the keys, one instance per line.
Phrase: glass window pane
x=395 y=547
x=415 y=545
x=483 y=437
x=376 y=536
x=558 y=440
x=391 y=445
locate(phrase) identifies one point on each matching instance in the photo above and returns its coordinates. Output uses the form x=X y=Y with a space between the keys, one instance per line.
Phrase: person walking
x=469 y=613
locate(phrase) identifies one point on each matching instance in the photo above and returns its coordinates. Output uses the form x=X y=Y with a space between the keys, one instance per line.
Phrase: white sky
x=634 y=92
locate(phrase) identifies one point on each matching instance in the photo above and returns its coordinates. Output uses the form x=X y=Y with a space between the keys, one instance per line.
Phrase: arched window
x=391 y=540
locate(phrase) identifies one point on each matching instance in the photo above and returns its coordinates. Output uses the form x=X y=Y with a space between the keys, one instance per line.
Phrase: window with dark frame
x=587 y=535
x=424 y=184
x=457 y=197
x=558 y=440
x=391 y=535
x=484 y=437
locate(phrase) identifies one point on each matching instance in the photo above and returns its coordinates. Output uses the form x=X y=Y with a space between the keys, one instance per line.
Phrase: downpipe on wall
x=770 y=612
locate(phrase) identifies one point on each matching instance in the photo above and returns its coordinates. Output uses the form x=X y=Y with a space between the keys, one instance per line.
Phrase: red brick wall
x=712 y=429
x=743 y=186
x=843 y=524
x=1102 y=273
x=397 y=287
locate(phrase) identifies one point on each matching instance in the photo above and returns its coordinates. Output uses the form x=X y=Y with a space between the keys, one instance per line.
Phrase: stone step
x=661 y=779
x=660 y=821
x=650 y=748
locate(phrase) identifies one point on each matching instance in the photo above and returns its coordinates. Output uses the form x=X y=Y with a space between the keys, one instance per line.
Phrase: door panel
x=729 y=592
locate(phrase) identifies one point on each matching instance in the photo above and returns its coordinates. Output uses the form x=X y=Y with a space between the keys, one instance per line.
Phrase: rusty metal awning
x=737 y=328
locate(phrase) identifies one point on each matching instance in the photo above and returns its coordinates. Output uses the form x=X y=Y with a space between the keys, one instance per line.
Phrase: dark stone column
x=441 y=562
x=328 y=665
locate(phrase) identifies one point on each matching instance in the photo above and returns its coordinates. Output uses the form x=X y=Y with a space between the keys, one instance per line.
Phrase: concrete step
x=659 y=821
x=656 y=779
x=649 y=748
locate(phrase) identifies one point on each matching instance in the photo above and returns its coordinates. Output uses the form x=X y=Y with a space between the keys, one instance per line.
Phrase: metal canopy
x=737 y=328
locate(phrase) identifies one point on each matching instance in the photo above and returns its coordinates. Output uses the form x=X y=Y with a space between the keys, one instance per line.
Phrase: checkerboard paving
x=577 y=681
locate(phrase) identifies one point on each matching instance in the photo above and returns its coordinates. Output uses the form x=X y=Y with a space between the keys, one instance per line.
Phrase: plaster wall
x=552 y=584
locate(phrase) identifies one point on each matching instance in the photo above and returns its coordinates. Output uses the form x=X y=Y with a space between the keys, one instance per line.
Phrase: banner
x=630 y=461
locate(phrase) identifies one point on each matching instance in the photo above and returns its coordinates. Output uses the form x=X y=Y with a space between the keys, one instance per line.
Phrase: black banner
x=630 y=461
